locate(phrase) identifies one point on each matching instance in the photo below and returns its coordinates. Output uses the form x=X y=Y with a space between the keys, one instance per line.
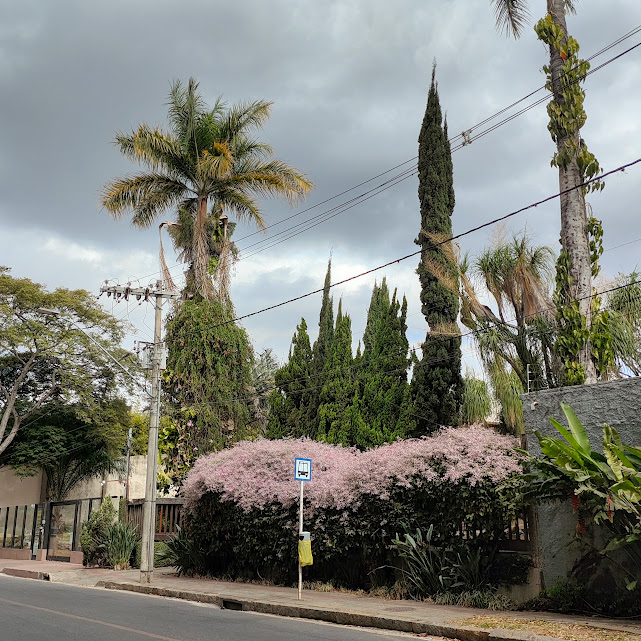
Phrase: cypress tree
x=320 y=354
x=339 y=389
x=437 y=382
x=378 y=308
x=385 y=401
x=287 y=412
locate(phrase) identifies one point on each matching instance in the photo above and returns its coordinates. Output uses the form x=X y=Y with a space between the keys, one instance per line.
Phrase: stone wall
x=617 y=403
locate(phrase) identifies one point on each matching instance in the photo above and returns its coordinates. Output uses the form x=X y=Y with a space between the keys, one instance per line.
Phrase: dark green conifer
x=288 y=412
x=320 y=354
x=437 y=383
x=337 y=393
x=385 y=402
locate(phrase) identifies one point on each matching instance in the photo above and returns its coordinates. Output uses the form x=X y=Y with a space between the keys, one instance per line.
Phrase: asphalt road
x=39 y=611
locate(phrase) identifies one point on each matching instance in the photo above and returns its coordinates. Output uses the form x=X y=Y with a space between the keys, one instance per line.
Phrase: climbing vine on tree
x=208 y=380
x=567 y=116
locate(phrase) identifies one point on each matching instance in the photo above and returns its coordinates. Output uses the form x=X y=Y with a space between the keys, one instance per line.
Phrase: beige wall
x=114 y=486
x=17 y=491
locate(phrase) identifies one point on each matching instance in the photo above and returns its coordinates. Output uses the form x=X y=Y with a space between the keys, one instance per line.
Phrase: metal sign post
x=302 y=473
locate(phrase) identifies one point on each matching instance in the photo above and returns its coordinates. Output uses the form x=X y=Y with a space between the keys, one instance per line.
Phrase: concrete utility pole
x=158 y=358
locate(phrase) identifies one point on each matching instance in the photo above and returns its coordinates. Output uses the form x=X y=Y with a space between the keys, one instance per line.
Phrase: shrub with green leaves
x=182 y=553
x=603 y=486
x=466 y=479
x=94 y=533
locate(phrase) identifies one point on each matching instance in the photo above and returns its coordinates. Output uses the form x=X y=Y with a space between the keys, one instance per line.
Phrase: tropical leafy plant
x=477 y=401
x=431 y=567
x=427 y=568
x=181 y=552
x=93 y=539
x=606 y=485
x=120 y=544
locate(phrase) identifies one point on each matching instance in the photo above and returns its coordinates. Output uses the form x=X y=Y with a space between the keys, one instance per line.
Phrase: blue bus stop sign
x=303 y=469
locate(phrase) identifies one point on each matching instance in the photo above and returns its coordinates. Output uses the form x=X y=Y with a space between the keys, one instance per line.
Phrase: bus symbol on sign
x=303 y=469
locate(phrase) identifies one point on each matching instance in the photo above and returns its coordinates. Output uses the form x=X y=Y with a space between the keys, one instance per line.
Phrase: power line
x=409 y=172
x=428 y=362
x=412 y=171
x=416 y=253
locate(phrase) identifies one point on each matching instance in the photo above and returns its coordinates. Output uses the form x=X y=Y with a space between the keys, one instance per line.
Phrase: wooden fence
x=169 y=516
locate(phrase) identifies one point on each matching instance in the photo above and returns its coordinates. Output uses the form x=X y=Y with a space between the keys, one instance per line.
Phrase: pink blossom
x=254 y=474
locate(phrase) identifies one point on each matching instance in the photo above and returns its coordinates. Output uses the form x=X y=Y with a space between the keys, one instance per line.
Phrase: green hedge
x=352 y=548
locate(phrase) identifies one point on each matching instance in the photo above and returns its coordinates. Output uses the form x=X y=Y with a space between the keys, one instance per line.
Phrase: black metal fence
x=18 y=524
x=54 y=526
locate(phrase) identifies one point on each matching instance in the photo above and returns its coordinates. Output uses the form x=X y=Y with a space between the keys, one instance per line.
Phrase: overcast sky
x=349 y=81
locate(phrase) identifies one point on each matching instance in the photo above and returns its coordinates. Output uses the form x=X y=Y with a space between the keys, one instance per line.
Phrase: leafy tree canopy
x=69 y=446
x=46 y=358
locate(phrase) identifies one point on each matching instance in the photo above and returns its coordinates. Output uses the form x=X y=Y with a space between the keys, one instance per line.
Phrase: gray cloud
x=349 y=80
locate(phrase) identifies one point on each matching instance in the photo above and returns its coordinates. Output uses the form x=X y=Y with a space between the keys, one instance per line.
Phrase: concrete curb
x=331 y=616
x=26 y=574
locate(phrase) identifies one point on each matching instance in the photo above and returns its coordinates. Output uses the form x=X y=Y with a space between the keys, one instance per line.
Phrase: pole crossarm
x=148 y=293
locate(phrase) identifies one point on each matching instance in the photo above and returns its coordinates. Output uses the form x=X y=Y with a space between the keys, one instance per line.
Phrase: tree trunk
x=574 y=235
x=202 y=279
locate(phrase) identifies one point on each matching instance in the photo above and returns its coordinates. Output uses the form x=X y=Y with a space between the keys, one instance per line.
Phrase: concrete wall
x=17 y=491
x=114 y=487
x=617 y=403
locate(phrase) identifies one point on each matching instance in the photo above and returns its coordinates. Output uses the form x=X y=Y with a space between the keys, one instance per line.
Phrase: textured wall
x=617 y=403
x=17 y=491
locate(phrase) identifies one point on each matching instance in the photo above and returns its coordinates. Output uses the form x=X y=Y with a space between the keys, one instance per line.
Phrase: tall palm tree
x=207 y=163
x=512 y=15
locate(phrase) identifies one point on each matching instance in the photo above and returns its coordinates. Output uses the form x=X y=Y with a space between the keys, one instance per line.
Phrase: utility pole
x=129 y=435
x=157 y=364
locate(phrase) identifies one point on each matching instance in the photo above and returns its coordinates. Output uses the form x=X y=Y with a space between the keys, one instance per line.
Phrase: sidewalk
x=335 y=607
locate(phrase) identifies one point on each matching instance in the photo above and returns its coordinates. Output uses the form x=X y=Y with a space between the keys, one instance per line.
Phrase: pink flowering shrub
x=242 y=503
x=254 y=474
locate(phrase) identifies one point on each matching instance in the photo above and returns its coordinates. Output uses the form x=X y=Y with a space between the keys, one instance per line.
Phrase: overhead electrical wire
x=494 y=221
x=392 y=182
x=441 y=359
x=407 y=173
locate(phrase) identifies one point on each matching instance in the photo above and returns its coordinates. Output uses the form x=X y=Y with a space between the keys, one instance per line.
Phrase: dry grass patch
x=568 y=631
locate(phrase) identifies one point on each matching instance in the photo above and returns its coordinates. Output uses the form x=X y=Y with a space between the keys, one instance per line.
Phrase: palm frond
x=274 y=178
x=443 y=273
x=166 y=274
x=243 y=117
x=240 y=204
x=244 y=148
x=154 y=149
x=511 y=16
x=216 y=166
x=146 y=195
x=185 y=107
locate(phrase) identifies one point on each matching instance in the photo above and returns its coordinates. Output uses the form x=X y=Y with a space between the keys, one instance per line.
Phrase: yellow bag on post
x=305 y=553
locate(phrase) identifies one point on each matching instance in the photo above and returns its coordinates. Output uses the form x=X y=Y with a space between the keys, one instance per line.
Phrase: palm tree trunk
x=202 y=284
x=574 y=236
